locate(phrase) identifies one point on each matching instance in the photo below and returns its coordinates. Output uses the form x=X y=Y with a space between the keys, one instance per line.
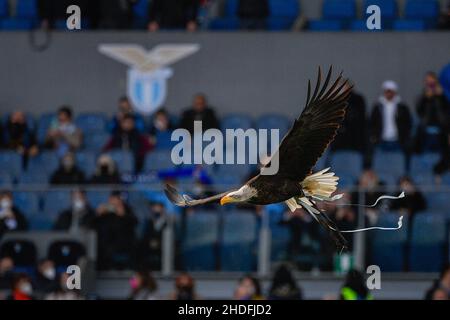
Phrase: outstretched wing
x=183 y=200
x=316 y=127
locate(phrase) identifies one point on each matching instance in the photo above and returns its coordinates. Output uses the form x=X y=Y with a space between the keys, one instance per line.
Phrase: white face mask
x=6 y=203
x=78 y=204
x=49 y=273
x=26 y=288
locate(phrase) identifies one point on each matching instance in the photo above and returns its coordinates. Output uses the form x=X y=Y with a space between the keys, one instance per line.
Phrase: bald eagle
x=303 y=145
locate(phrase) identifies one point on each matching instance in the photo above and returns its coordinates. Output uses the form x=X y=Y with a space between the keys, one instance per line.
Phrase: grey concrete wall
x=254 y=73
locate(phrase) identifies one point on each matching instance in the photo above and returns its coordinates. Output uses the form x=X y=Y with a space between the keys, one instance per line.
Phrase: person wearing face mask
x=161 y=128
x=79 y=215
x=128 y=138
x=22 y=288
x=125 y=108
x=19 y=137
x=46 y=281
x=11 y=218
x=105 y=172
x=184 y=288
x=151 y=241
x=68 y=172
x=143 y=286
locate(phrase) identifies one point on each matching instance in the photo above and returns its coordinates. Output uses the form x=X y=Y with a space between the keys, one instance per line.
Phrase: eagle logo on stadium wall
x=148 y=71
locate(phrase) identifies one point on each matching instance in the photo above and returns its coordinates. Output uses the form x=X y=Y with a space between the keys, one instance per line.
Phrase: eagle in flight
x=303 y=145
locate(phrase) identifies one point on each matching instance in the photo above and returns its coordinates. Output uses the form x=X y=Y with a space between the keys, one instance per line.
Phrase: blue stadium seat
x=423 y=163
x=4 y=8
x=339 y=9
x=96 y=142
x=55 y=201
x=236 y=121
x=325 y=25
x=158 y=160
x=348 y=163
x=44 y=123
x=13 y=24
x=46 y=162
x=86 y=161
x=409 y=25
x=163 y=140
x=389 y=163
x=282 y=14
x=274 y=121
x=91 y=123
x=388 y=8
x=279 y=244
x=238 y=243
x=11 y=162
x=61 y=25
x=422 y=9
x=224 y=24
x=438 y=201
x=39 y=221
x=6 y=180
x=140 y=13
x=429 y=234
x=27 y=179
x=27 y=9
x=388 y=247
x=446 y=179
x=123 y=159
x=230 y=8
x=279 y=23
x=444 y=79
x=360 y=26
x=199 y=245
x=27 y=202
x=97 y=197
x=224 y=181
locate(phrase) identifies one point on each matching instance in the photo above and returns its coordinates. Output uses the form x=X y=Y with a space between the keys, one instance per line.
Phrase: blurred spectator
x=444 y=20
x=413 y=202
x=67 y=173
x=390 y=122
x=173 y=14
x=151 y=242
x=62 y=292
x=115 y=224
x=11 y=218
x=352 y=133
x=18 y=136
x=440 y=290
x=79 y=215
x=344 y=216
x=372 y=189
x=200 y=111
x=52 y=11
x=128 y=138
x=22 y=288
x=125 y=108
x=143 y=286
x=106 y=171
x=46 y=281
x=253 y=14
x=161 y=123
x=302 y=229
x=355 y=287
x=434 y=114
x=443 y=164
x=184 y=288
x=248 y=288
x=63 y=135
x=6 y=273
x=284 y=286
x=115 y=14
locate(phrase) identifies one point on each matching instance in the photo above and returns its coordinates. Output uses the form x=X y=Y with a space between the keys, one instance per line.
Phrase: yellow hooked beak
x=226 y=200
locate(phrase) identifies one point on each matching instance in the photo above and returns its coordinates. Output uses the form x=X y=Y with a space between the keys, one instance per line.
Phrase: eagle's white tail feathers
x=319 y=186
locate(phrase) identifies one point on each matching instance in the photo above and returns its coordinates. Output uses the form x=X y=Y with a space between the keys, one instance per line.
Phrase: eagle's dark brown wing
x=316 y=127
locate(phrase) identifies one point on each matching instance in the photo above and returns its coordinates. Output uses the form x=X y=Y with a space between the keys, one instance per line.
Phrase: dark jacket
x=403 y=122
x=21 y=223
x=352 y=133
x=433 y=111
x=173 y=14
x=253 y=9
x=64 y=221
x=18 y=135
x=412 y=203
x=207 y=117
x=63 y=177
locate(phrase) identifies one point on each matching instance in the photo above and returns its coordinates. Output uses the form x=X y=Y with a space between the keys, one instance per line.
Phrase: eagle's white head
x=243 y=194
